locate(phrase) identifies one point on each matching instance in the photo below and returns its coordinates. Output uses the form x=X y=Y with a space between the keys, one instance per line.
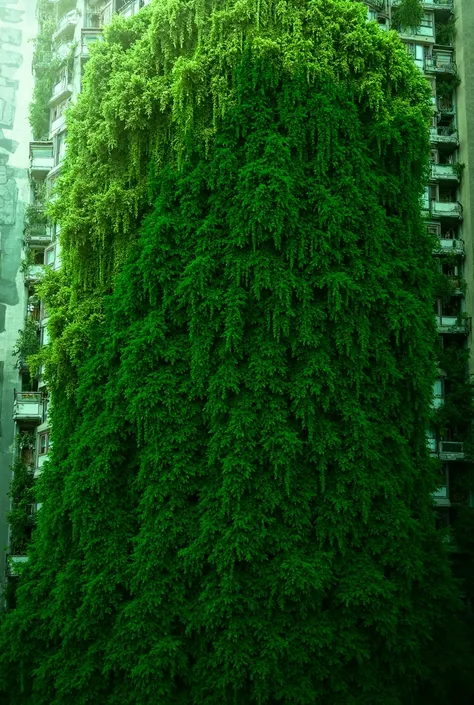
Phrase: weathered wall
x=464 y=11
x=17 y=27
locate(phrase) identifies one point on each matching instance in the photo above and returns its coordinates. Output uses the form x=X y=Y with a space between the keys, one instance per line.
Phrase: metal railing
x=433 y=63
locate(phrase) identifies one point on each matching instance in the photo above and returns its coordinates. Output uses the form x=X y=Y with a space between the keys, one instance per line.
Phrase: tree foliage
x=237 y=506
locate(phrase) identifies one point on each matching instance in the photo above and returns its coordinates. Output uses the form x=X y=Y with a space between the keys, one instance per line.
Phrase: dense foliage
x=27 y=343
x=19 y=517
x=408 y=14
x=45 y=65
x=237 y=506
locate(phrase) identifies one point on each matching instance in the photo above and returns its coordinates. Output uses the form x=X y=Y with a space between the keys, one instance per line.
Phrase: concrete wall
x=17 y=27
x=464 y=12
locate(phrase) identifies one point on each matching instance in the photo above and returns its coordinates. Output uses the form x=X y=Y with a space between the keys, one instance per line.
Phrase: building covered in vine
x=242 y=467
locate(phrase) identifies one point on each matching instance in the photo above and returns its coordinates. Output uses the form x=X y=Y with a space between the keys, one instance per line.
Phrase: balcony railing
x=453 y=325
x=62 y=90
x=450 y=246
x=27 y=406
x=431 y=4
x=41 y=159
x=444 y=172
x=65 y=24
x=58 y=124
x=451 y=450
x=34 y=273
x=132 y=7
x=446 y=135
x=438 y=4
x=446 y=210
x=440 y=63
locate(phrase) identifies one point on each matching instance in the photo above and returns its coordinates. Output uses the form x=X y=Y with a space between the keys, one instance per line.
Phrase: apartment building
x=443 y=50
x=77 y=25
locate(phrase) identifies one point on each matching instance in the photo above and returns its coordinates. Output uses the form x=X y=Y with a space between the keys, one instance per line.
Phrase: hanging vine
x=237 y=507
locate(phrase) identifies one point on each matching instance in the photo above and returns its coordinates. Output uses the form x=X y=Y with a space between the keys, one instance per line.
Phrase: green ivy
x=45 y=66
x=28 y=342
x=408 y=14
x=446 y=32
x=19 y=517
x=237 y=508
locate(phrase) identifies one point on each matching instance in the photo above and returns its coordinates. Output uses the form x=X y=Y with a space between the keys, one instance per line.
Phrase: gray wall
x=17 y=27
x=464 y=12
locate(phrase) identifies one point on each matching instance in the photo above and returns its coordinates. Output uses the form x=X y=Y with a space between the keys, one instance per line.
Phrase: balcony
x=14 y=564
x=131 y=7
x=444 y=172
x=34 y=273
x=88 y=37
x=441 y=209
x=65 y=26
x=440 y=62
x=437 y=5
x=27 y=406
x=37 y=230
x=441 y=497
x=41 y=159
x=453 y=325
x=99 y=17
x=444 y=135
x=451 y=246
x=59 y=124
x=62 y=90
x=434 y=5
x=451 y=450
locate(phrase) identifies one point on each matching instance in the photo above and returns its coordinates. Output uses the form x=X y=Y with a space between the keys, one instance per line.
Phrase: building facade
x=443 y=50
x=17 y=28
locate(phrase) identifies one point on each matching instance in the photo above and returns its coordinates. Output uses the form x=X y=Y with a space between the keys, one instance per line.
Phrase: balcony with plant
x=27 y=343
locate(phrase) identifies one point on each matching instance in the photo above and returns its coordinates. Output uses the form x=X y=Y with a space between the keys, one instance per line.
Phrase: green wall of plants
x=237 y=505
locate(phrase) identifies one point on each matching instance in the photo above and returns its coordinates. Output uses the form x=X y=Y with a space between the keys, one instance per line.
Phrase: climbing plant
x=27 y=343
x=45 y=65
x=446 y=32
x=408 y=14
x=19 y=517
x=237 y=508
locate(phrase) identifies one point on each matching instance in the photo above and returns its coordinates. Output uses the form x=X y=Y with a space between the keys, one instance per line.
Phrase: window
x=49 y=256
x=60 y=147
x=43 y=443
x=44 y=338
x=434 y=229
x=427 y=19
